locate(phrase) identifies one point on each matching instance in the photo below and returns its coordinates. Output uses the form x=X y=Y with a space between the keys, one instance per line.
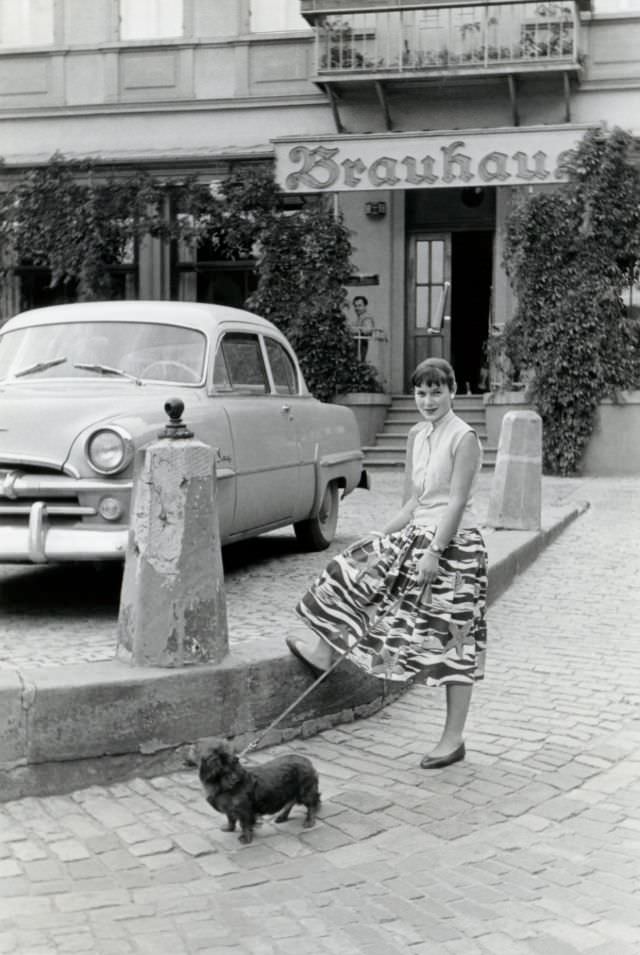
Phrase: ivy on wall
x=69 y=218
x=569 y=255
x=65 y=218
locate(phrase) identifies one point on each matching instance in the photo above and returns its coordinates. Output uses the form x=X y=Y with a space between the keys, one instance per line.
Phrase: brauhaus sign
x=501 y=157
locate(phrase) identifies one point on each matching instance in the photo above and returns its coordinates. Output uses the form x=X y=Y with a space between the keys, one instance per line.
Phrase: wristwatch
x=435 y=548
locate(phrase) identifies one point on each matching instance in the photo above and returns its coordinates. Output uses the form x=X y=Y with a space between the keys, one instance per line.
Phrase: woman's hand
x=428 y=568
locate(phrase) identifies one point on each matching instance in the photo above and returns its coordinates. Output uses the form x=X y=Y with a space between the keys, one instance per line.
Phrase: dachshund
x=244 y=793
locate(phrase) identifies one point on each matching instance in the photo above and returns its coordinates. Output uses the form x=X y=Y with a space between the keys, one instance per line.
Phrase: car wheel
x=318 y=532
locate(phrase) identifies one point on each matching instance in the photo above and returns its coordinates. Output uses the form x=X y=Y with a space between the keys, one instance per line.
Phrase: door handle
x=285 y=409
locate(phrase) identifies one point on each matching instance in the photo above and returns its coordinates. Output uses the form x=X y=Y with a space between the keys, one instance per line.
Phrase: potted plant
x=366 y=397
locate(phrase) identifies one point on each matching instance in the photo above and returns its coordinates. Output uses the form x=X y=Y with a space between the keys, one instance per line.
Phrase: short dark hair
x=360 y=298
x=434 y=371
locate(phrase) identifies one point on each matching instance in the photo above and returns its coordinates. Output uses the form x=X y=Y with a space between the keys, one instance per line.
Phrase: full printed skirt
x=368 y=601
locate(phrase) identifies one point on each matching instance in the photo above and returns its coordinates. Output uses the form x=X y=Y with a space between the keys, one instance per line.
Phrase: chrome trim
x=53 y=485
x=40 y=543
x=37 y=531
x=57 y=510
x=340 y=457
x=127 y=441
x=7 y=485
x=38 y=462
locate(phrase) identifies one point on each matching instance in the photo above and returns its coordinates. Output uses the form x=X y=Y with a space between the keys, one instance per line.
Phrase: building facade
x=423 y=121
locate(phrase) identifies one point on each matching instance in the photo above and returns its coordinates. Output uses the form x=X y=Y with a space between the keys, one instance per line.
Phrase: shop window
x=210 y=274
x=26 y=23
x=151 y=19
x=272 y=16
x=36 y=290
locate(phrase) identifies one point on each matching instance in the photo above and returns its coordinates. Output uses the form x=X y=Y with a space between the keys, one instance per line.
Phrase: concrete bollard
x=172 y=603
x=516 y=489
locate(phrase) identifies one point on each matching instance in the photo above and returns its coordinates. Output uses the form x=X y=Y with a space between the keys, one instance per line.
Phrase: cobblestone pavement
x=57 y=615
x=529 y=847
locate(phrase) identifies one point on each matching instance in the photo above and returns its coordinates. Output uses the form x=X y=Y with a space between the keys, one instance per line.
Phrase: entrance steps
x=391 y=442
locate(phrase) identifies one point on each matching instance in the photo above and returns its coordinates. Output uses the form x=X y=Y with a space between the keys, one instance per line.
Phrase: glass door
x=428 y=299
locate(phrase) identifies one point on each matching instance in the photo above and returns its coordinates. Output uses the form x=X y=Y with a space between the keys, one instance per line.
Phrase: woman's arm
x=465 y=463
x=402 y=518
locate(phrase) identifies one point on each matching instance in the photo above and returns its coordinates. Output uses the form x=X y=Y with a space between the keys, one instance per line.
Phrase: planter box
x=614 y=447
x=370 y=409
x=496 y=405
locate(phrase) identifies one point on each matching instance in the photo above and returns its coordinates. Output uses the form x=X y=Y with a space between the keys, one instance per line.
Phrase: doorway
x=471 y=283
x=449 y=279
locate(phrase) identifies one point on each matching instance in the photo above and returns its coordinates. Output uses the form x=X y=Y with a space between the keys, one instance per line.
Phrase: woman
x=409 y=603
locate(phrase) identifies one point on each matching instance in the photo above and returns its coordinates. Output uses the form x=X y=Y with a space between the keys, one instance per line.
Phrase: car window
x=282 y=368
x=80 y=349
x=243 y=364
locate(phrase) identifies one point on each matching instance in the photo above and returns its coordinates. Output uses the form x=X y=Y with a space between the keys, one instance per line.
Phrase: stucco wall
x=615 y=443
x=614 y=448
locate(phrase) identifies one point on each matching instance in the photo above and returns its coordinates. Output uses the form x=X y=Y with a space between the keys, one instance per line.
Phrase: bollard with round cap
x=516 y=489
x=172 y=603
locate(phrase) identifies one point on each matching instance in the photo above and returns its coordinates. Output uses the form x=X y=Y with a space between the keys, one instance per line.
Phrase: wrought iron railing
x=431 y=38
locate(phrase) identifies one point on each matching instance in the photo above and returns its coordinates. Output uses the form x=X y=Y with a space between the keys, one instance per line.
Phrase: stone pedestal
x=172 y=605
x=515 y=499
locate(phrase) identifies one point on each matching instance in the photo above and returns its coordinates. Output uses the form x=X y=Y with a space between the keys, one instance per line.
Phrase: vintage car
x=83 y=389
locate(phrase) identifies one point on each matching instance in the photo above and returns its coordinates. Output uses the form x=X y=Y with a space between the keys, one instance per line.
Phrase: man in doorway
x=363 y=325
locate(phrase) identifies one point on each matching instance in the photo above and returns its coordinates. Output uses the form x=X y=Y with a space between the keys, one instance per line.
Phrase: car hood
x=41 y=423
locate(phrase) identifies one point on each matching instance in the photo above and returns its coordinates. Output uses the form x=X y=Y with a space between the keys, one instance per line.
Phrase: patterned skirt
x=368 y=601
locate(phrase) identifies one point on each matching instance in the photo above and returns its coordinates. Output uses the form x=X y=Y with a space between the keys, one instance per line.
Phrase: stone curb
x=62 y=728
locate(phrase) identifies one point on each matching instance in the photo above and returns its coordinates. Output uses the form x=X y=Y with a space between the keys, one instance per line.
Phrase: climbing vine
x=72 y=219
x=569 y=255
x=65 y=217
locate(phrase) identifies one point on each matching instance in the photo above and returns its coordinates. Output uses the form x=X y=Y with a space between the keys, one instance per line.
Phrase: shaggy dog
x=244 y=793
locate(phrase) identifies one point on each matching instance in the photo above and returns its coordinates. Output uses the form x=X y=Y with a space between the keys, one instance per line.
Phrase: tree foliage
x=65 y=217
x=569 y=255
x=303 y=266
x=71 y=218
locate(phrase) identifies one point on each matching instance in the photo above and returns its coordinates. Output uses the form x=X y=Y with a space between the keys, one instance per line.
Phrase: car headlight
x=109 y=450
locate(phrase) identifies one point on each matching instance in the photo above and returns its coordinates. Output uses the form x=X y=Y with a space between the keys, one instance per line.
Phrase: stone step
x=377 y=456
x=398 y=439
x=389 y=449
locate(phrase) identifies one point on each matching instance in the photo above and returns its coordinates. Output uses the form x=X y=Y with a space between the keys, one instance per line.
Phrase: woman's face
x=433 y=401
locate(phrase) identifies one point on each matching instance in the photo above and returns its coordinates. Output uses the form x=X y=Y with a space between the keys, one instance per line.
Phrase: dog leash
x=323 y=676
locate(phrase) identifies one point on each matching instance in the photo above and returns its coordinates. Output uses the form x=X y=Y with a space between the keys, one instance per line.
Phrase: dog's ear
x=190 y=758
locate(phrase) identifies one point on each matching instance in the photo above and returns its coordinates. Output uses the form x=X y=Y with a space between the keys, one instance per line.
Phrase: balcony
x=358 y=44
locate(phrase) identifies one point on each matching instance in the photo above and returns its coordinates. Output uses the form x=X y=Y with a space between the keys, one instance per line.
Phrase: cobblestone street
x=531 y=846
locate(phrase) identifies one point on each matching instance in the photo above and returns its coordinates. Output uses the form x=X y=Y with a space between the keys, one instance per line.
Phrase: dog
x=244 y=793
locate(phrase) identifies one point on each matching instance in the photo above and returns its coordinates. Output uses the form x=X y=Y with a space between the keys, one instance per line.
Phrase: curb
x=65 y=728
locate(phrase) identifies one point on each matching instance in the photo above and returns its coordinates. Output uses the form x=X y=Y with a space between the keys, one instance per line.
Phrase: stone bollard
x=515 y=499
x=172 y=603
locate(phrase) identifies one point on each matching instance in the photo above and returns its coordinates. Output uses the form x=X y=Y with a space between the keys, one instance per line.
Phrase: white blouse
x=432 y=469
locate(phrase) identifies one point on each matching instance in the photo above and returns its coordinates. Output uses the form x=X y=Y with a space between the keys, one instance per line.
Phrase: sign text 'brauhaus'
x=497 y=158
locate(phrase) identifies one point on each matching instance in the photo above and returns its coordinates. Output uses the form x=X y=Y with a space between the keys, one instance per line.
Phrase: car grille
x=22 y=487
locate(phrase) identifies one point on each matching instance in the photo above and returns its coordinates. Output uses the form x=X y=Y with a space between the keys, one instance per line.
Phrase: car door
x=264 y=441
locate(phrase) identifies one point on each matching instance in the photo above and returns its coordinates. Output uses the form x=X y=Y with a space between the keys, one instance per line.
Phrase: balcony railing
x=438 y=39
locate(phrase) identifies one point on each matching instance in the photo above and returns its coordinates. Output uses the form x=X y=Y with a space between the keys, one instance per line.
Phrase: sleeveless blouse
x=431 y=470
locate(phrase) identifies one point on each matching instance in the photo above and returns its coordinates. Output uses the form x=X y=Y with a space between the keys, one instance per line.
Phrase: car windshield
x=113 y=350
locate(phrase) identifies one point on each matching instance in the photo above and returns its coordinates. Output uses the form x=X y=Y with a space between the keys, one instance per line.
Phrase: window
x=209 y=273
x=272 y=16
x=282 y=369
x=603 y=7
x=26 y=23
x=150 y=19
x=242 y=367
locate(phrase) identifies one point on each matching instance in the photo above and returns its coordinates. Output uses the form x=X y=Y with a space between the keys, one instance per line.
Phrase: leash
x=323 y=676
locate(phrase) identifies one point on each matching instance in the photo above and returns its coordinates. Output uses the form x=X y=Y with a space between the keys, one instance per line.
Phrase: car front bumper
x=50 y=518
x=39 y=543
